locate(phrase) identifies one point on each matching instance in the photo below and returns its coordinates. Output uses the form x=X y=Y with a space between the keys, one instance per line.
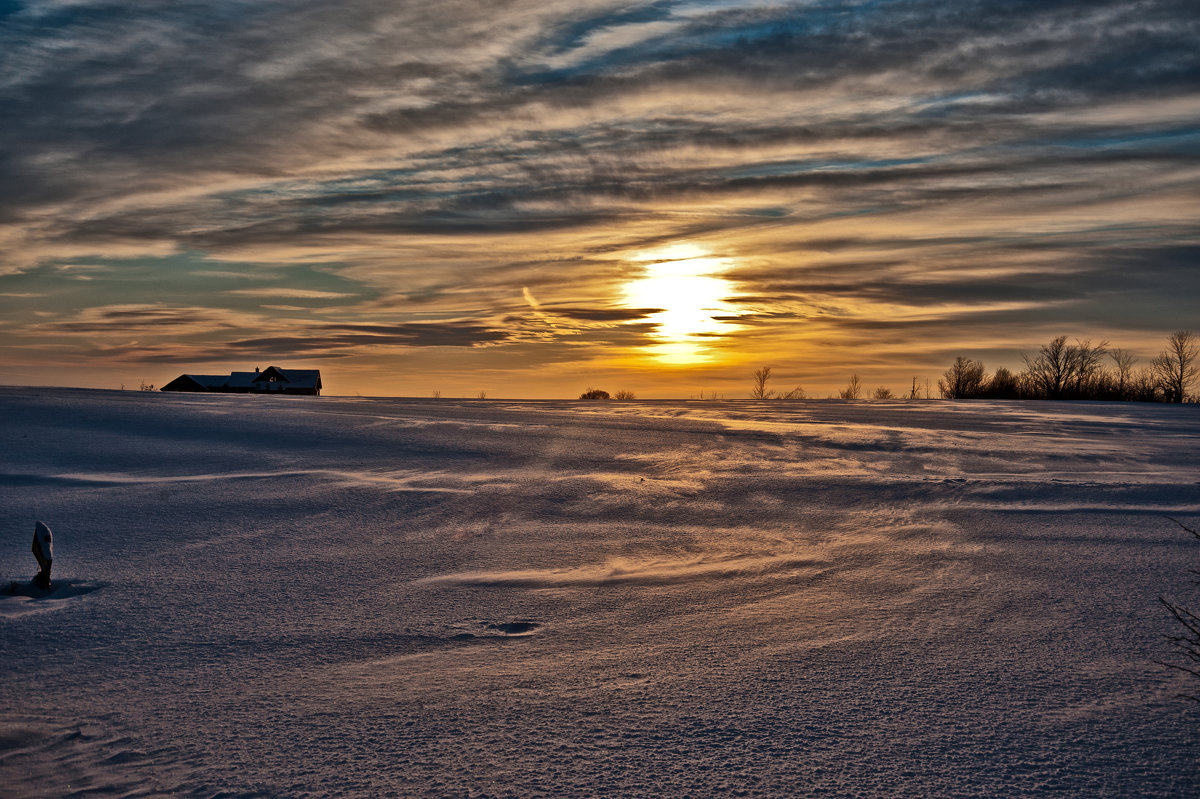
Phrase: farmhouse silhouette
x=271 y=380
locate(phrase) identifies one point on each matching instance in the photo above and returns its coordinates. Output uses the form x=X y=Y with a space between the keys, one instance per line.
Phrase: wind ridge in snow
x=626 y=570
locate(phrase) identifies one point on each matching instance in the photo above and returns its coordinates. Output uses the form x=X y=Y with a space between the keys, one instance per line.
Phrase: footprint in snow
x=515 y=628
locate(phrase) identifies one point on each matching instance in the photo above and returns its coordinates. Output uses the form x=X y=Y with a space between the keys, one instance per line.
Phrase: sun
x=683 y=281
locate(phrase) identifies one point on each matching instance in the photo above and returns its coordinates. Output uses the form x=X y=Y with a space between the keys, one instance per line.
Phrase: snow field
x=269 y=596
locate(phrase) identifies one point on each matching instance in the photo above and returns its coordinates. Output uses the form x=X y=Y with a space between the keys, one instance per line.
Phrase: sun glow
x=684 y=282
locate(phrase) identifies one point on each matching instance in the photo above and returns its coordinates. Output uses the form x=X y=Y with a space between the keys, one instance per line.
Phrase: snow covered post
x=43 y=551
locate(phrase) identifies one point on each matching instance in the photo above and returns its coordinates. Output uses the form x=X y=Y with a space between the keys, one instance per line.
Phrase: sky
x=529 y=199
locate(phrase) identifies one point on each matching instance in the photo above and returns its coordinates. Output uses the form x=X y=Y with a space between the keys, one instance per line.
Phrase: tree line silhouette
x=1061 y=370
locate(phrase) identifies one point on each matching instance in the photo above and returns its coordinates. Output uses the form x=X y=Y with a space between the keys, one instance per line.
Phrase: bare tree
x=1178 y=365
x=437 y=395
x=482 y=395
x=883 y=393
x=1088 y=360
x=1187 y=641
x=1052 y=370
x=963 y=380
x=759 y=389
x=797 y=393
x=1123 y=360
x=624 y=395
x=853 y=389
x=915 y=391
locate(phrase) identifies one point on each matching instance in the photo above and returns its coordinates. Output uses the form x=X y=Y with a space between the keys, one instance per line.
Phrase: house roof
x=209 y=381
x=295 y=378
x=240 y=379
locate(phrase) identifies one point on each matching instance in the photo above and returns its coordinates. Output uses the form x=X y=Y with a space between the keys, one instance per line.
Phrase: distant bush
x=1003 y=385
x=624 y=395
x=594 y=394
x=883 y=393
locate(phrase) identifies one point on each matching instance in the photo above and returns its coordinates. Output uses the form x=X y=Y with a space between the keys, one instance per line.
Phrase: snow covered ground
x=271 y=596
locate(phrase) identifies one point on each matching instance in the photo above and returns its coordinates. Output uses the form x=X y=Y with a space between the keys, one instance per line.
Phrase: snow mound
x=80 y=760
x=18 y=599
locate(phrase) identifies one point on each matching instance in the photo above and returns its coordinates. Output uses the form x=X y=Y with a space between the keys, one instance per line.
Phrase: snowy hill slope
x=270 y=596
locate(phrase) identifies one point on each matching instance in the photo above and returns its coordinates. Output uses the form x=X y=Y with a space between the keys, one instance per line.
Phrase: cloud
x=155 y=334
x=307 y=294
x=133 y=319
x=604 y=314
x=339 y=340
x=851 y=159
x=256 y=91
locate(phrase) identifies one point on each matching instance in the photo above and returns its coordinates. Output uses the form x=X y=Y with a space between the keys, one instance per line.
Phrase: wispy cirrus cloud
x=283 y=292
x=133 y=319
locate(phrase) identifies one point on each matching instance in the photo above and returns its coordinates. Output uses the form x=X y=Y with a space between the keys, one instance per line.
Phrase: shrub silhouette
x=594 y=394
x=1003 y=385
